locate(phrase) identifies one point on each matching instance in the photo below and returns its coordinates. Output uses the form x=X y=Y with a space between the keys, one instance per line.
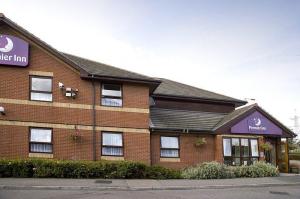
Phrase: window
x=227 y=147
x=40 y=140
x=41 y=88
x=112 y=144
x=254 y=150
x=111 y=95
x=240 y=151
x=169 y=147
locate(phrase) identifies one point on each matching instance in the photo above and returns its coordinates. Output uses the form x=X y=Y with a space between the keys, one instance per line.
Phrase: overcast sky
x=244 y=49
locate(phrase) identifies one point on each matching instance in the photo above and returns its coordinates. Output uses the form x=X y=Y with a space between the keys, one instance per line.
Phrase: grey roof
x=79 y=63
x=100 y=69
x=173 y=88
x=184 y=119
x=103 y=70
x=236 y=113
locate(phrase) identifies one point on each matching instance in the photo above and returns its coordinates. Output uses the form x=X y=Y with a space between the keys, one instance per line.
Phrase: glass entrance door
x=270 y=155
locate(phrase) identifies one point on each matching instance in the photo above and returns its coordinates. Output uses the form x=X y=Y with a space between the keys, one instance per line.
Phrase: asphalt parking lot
x=286 y=186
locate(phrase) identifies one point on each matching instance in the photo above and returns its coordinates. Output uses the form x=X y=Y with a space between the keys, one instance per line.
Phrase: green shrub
x=16 y=168
x=42 y=168
x=207 y=170
x=158 y=172
x=215 y=170
x=258 y=169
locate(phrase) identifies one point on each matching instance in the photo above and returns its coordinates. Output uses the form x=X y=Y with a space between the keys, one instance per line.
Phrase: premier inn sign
x=13 y=51
x=256 y=123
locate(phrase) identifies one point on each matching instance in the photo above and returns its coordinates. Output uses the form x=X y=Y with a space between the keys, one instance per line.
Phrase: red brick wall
x=64 y=147
x=219 y=148
x=13 y=142
x=189 y=153
x=14 y=84
x=137 y=147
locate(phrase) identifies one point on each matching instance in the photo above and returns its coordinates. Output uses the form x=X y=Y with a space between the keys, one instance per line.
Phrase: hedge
x=41 y=168
x=215 y=170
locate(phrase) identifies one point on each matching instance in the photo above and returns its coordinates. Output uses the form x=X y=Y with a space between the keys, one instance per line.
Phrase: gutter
x=237 y=103
x=180 y=130
x=153 y=84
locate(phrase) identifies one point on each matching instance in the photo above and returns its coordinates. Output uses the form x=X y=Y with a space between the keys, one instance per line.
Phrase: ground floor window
x=169 y=146
x=40 y=140
x=112 y=144
x=240 y=151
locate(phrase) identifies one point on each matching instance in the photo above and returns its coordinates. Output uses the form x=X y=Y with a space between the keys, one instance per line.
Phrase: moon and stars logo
x=257 y=121
x=256 y=124
x=6 y=44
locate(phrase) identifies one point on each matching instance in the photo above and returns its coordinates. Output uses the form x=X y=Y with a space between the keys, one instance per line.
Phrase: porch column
x=219 y=149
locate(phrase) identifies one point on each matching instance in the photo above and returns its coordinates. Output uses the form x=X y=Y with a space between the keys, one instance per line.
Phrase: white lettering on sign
x=14 y=58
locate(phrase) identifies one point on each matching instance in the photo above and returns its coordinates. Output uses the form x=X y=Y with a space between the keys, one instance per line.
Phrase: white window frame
x=44 y=143
x=112 y=146
x=169 y=148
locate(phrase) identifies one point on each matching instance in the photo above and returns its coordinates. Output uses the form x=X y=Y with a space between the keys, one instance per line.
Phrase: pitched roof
x=104 y=70
x=101 y=70
x=177 y=89
x=37 y=41
x=240 y=113
x=81 y=64
x=231 y=116
x=183 y=119
x=199 y=121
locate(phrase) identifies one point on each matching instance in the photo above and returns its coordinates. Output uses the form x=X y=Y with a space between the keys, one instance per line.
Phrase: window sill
x=40 y=155
x=112 y=158
x=41 y=73
x=169 y=159
x=48 y=102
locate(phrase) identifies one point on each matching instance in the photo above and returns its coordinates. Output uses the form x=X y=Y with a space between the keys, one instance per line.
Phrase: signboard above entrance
x=256 y=123
x=13 y=51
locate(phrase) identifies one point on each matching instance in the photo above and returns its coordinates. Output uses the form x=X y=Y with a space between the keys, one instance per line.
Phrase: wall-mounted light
x=2 y=110
x=61 y=85
x=68 y=91
x=71 y=92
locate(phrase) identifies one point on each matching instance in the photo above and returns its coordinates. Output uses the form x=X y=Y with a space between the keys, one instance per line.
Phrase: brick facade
x=14 y=96
x=189 y=153
x=67 y=116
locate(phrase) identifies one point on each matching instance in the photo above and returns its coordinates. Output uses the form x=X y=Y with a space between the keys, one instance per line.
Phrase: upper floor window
x=169 y=147
x=112 y=144
x=111 y=95
x=40 y=140
x=41 y=88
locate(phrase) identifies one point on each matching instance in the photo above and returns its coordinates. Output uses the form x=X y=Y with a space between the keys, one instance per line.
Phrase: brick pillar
x=219 y=149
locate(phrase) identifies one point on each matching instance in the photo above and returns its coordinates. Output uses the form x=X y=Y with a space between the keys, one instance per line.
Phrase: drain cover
x=279 y=193
x=103 y=181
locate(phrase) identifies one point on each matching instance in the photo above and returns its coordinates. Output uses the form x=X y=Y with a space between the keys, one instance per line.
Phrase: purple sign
x=13 y=51
x=256 y=123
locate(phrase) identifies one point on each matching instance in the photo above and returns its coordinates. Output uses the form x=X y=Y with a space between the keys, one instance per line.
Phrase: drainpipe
x=94 y=118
